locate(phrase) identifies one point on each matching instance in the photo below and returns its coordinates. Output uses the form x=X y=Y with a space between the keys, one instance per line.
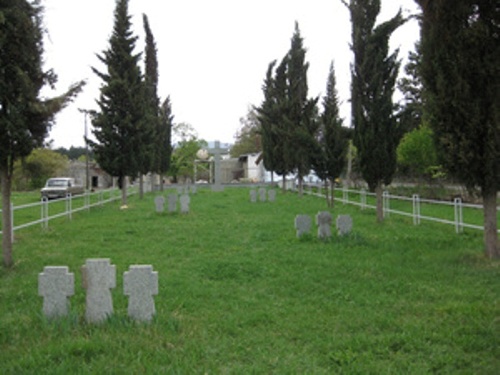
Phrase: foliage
x=120 y=128
x=183 y=157
x=411 y=110
x=287 y=117
x=248 y=139
x=25 y=118
x=74 y=153
x=460 y=55
x=164 y=139
x=417 y=151
x=37 y=167
x=386 y=299
x=330 y=158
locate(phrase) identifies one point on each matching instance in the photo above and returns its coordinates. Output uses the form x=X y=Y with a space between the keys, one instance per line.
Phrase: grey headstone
x=253 y=196
x=99 y=276
x=262 y=194
x=159 y=203
x=172 y=202
x=271 y=195
x=56 y=285
x=180 y=190
x=324 y=222
x=217 y=151
x=185 y=203
x=344 y=225
x=303 y=224
x=140 y=284
x=193 y=189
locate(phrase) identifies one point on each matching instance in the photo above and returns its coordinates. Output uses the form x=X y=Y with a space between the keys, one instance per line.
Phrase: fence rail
x=27 y=215
x=415 y=207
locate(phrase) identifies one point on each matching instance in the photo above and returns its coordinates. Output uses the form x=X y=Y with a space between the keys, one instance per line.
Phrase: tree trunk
x=327 y=193
x=332 y=193
x=301 y=185
x=380 y=208
x=161 y=182
x=124 y=190
x=283 y=187
x=490 y=224
x=6 y=223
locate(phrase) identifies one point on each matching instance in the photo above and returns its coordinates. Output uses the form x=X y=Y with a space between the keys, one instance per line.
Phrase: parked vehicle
x=60 y=187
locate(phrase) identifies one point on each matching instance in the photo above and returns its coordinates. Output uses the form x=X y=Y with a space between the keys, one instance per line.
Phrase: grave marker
x=99 y=276
x=262 y=194
x=140 y=284
x=172 y=202
x=159 y=203
x=253 y=195
x=271 y=194
x=324 y=222
x=217 y=151
x=185 y=203
x=56 y=285
x=303 y=225
x=344 y=225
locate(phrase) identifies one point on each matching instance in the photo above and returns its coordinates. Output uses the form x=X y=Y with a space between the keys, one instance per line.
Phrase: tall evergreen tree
x=118 y=123
x=164 y=140
x=150 y=125
x=25 y=118
x=300 y=123
x=411 y=111
x=374 y=74
x=461 y=72
x=330 y=157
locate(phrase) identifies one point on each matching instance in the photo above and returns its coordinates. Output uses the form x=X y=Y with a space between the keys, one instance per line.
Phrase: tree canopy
x=25 y=118
x=461 y=73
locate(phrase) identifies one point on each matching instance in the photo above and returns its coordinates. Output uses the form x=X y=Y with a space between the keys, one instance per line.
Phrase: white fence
x=42 y=212
x=415 y=207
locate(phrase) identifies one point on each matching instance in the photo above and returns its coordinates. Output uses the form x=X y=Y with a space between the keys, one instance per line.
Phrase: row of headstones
x=140 y=283
x=303 y=224
x=172 y=203
x=263 y=194
x=186 y=189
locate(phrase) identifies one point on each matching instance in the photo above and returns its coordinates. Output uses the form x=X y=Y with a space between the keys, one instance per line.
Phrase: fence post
x=362 y=196
x=87 y=199
x=12 y=221
x=459 y=219
x=45 y=212
x=386 y=203
x=345 y=195
x=416 y=209
x=68 y=205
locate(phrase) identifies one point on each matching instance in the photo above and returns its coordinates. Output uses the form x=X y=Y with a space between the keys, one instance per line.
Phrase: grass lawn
x=240 y=294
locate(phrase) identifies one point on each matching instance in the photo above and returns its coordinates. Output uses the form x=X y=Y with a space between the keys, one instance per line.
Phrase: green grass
x=239 y=293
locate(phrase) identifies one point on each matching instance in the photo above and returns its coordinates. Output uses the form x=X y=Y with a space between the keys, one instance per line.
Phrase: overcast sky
x=212 y=54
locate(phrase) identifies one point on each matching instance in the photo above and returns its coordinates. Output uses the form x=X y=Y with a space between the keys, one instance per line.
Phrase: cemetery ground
x=239 y=293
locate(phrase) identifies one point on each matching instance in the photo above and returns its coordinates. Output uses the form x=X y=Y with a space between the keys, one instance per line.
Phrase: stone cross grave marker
x=344 y=225
x=56 y=285
x=303 y=225
x=217 y=151
x=99 y=276
x=262 y=194
x=271 y=195
x=159 y=203
x=324 y=222
x=140 y=284
x=172 y=202
x=184 y=199
x=253 y=195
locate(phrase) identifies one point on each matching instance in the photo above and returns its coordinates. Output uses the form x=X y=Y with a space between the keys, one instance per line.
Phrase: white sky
x=212 y=54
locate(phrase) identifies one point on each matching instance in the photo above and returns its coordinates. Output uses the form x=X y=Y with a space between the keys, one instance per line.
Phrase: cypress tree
x=461 y=73
x=164 y=140
x=25 y=118
x=330 y=158
x=374 y=74
x=119 y=121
